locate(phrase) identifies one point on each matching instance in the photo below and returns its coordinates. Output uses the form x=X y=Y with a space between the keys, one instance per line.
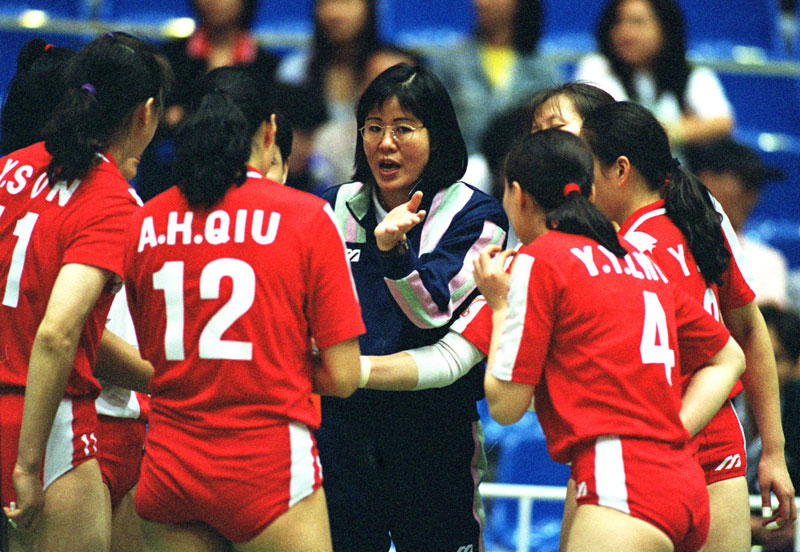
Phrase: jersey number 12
x=211 y=345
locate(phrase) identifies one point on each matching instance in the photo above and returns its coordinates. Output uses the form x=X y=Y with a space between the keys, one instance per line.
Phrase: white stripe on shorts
x=304 y=465
x=58 y=455
x=609 y=473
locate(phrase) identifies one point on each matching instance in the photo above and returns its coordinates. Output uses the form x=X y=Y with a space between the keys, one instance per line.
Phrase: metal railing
x=527 y=494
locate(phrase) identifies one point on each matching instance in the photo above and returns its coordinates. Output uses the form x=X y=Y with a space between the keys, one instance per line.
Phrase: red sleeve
x=699 y=336
x=532 y=300
x=475 y=324
x=334 y=314
x=98 y=240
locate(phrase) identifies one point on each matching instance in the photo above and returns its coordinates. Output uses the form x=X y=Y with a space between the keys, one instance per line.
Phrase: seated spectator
x=496 y=68
x=642 y=57
x=735 y=176
x=345 y=33
x=784 y=329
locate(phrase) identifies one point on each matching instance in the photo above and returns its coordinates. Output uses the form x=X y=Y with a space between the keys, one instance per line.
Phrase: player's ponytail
x=556 y=169
x=33 y=93
x=214 y=143
x=628 y=129
x=689 y=206
x=104 y=83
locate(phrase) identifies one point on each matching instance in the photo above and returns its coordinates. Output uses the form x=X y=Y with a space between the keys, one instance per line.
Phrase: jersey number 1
x=655 y=336
x=211 y=345
x=23 y=230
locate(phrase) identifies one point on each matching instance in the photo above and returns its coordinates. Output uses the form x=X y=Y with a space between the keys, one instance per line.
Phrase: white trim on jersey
x=609 y=473
x=304 y=466
x=642 y=240
x=511 y=339
x=737 y=251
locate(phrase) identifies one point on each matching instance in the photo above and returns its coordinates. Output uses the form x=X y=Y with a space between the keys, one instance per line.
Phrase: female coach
x=408 y=463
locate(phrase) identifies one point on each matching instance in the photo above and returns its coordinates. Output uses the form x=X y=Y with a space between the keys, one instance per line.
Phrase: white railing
x=527 y=494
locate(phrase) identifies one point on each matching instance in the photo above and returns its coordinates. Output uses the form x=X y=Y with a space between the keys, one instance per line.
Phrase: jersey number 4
x=211 y=345
x=655 y=336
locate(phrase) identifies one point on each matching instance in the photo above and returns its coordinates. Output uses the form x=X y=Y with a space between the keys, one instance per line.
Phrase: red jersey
x=225 y=303
x=42 y=228
x=650 y=229
x=603 y=340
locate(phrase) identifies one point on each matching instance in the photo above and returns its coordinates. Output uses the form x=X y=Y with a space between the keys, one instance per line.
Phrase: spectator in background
x=735 y=176
x=784 y=331
x=345 y=33
x=222 y=38
x=497 y=68
x=642 y=58
x=310 y=169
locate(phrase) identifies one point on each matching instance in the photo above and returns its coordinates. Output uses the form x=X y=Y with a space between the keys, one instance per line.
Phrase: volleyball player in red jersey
x=604 y=341
x=664 y=210
x=228 y=274
x=63 y=208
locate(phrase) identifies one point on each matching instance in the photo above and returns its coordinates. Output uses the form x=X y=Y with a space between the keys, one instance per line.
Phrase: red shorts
x=656 y=482
x=720 y=446
x=72 y=440
x=237 y=483
x=121 y=442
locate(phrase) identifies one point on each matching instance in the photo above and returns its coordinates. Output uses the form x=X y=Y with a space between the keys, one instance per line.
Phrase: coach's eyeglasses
x=372 y=133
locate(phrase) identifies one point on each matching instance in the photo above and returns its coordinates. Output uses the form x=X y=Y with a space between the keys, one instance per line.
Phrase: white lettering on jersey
x=257 y=231
x=147 y=235
x=63 y=191
x=585 y=256
x=613 y=259
x=581 y=490
x=185 y=228
x=218 y=226
x=10 y=164
x=20 y=179
x=680 y=256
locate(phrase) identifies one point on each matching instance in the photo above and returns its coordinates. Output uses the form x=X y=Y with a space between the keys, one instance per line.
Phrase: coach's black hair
x=284 y=135
x=104 y=81
x=214 y=143
x=33 y=93
x=423 y=95
x=628 y=129
x=585 y=98
x=544 y=163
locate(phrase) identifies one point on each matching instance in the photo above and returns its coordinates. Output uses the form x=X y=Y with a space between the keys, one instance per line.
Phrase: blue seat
x=148 y=12
x=715 y=27
x=524 y=459
x=416 y=22
x=764 y=103
x=59 y=9
x=564 y=30
x=281 y=17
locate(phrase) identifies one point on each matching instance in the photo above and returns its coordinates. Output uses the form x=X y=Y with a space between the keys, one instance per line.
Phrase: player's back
x=43 y=227
x=224 y=302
